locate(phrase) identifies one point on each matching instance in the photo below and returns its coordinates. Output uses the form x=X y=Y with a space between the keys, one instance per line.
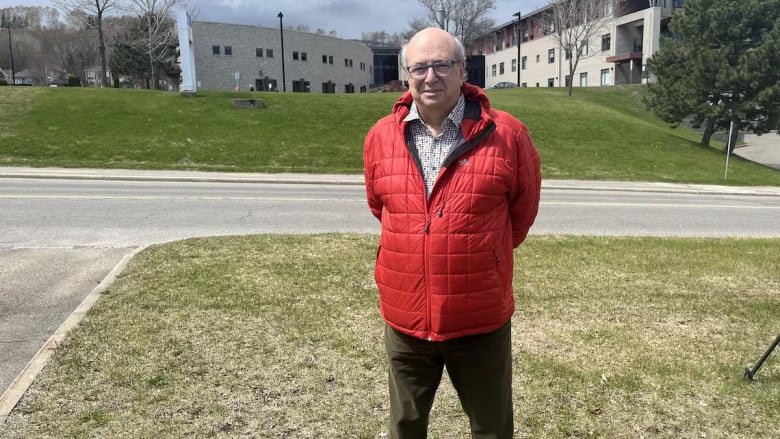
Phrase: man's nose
x=430 y=74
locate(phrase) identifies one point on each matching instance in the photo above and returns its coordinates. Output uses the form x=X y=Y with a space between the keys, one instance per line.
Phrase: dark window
x=259 y=52
x=330 y=60
x=550 y=56
x=551 y=82
x=269 y=53
x=328 y=87
x=295 y=55
x=301 y=86
x=324 y=59
x=606 y=42
x=215 y=50
x=228 y=50
x=303 y=56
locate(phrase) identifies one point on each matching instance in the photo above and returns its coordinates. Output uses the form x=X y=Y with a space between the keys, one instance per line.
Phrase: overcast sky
x=349 y=18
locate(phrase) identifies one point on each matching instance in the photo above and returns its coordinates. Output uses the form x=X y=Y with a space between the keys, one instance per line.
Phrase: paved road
x=64 y=231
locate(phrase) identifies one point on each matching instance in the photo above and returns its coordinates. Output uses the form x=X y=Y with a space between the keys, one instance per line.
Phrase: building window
x=568 y=81
x=269 y=53
x=493 y=70
x=608 y=8
x=215 y=50
x=584 y=49
x=605 y=80
x=550 y=56
x=258 y=52
x=606 y=42
x=324 y=59
x=346 y=62
x=583 y=79
x=301 y=86
x=551 y=82
x=514 y=65
x=229 y=50
x=330 y=60
x=295 y=56
x=500 y=68
x=328 y=87
x=537 y=59
x=303 y=56
x=349 y=88
x=523 y=63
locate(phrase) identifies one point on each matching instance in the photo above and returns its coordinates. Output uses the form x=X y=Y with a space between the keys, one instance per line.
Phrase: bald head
x=430 y=39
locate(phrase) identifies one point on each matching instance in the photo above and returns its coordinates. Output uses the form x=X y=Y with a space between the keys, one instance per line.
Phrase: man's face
x=434 y=92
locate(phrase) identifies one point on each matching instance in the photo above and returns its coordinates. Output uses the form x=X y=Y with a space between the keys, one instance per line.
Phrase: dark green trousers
x=479 y=367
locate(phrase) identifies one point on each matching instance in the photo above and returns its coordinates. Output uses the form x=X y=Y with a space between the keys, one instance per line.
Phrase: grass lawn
x=598 y=134
x=280 y=337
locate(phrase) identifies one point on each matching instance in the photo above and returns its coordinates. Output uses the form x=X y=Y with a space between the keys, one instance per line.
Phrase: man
x=456 y=186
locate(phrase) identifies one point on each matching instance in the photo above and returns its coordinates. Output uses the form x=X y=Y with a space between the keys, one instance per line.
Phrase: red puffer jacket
x=444 y=264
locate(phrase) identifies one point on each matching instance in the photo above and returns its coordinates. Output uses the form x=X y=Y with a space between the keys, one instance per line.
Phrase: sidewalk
x=356 y=179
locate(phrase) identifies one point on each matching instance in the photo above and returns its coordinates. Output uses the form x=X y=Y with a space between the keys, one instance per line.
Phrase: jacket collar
x=475 y=116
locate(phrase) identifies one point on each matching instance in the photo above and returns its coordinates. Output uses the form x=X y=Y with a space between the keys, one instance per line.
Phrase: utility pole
x=11 y=51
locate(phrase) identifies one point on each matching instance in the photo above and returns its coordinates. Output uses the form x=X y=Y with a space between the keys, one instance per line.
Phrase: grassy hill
x=596 y=134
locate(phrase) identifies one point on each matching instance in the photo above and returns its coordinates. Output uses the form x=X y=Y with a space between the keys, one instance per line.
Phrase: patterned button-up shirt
x=431 y=149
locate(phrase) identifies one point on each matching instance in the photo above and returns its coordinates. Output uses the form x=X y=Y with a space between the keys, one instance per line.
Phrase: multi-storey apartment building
x=230 y=56
x=524 y=52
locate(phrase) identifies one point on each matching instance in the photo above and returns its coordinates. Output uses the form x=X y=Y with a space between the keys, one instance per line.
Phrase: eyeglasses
x=441 y=68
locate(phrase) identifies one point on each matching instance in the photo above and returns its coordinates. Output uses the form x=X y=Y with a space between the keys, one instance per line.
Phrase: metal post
x=281 y=33
x=728 y=151
x=519 y=57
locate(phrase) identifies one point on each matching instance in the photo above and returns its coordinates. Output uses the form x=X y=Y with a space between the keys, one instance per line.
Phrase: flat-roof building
x=230 y=56
x=617 y=53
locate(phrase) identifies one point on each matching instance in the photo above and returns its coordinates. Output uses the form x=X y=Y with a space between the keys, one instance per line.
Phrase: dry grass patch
x=280 y=337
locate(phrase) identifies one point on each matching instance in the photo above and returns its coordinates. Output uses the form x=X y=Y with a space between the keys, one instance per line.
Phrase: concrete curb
x=351 y=179
x=18 y=388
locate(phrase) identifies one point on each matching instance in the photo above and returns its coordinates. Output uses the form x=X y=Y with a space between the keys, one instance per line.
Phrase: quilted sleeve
x=374 y=201
x=524 y=202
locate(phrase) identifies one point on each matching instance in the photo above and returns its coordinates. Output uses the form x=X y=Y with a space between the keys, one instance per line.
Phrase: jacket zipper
x=459 y=150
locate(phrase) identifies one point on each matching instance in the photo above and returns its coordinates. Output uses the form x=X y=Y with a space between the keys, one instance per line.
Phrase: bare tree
x=93 y=12
x=572 y=24
x=159 y=38
x=465 y=19
x=70 y=51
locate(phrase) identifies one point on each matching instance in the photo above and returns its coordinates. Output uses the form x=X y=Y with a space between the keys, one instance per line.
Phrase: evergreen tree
x=721 y=66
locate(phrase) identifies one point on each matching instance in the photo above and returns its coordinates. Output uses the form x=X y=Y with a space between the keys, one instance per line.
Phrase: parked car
x=503 y=85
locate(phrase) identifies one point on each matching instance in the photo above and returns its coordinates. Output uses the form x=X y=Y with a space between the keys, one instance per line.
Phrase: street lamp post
x=281 y=33
x=519 y=38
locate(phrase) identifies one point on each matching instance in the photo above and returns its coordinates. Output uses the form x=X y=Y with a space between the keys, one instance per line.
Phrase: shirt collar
x=456 y=115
